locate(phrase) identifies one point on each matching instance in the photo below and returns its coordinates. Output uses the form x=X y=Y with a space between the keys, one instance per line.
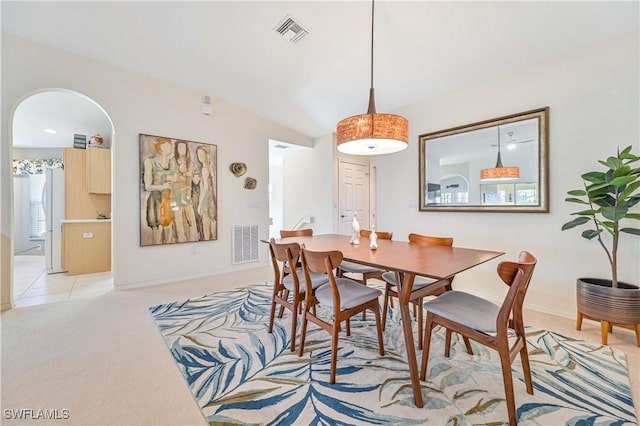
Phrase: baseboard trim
x=140 y=284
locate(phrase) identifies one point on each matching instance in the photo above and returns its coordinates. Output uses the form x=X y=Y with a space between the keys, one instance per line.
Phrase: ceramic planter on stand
x=598 y=301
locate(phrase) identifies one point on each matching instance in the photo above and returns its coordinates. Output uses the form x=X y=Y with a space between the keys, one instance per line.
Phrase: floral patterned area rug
x=240 y=374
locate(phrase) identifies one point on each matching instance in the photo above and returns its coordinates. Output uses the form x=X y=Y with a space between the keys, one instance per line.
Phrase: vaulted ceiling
x=230 y=50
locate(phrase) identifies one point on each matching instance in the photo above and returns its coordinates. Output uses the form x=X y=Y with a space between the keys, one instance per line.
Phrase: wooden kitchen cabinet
x=86 y=246
x=99 y=170
x=79 y=202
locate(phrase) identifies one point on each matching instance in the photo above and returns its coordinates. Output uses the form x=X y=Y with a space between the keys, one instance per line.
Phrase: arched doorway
x=44 y=125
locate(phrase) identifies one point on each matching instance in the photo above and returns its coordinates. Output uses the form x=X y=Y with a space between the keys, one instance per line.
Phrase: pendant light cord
x=372 y=100
x=372 y=12
x=499 y=161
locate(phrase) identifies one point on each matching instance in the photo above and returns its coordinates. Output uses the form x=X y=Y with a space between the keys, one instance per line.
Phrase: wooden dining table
x=407 y=260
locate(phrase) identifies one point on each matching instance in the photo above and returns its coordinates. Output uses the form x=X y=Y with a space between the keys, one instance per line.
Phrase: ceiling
x=229 y=49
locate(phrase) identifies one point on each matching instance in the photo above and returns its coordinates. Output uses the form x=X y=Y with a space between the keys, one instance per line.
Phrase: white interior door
x=353 y=184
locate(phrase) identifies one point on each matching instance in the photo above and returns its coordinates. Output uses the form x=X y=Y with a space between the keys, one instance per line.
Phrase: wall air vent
x=245 y=243
x=290 y=29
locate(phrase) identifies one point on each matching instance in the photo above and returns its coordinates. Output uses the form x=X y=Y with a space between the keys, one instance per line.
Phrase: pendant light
x=372 y=133
x=499 y=172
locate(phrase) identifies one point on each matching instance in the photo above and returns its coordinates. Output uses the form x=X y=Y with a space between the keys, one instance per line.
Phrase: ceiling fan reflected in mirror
x=512 y=143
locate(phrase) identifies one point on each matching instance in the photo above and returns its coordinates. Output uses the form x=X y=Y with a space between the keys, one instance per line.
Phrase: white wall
x=308 y=186
x=593 y=96
x=276 y=202
x=139 y=104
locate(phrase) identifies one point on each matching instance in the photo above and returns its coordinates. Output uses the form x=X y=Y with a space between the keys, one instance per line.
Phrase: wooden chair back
x=517 y=275
x=284 y=254
x=428 y=240
x=321 y=262
x=382 y=235
x=307 y=232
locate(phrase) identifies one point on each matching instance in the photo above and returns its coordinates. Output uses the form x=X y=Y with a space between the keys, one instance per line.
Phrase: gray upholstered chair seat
x=351 y=294
x=465 y=309
x=357 y=268
x=418 y=283
x=316 y=280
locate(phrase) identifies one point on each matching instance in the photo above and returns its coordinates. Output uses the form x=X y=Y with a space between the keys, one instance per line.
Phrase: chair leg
x=420 y=318
x=273 y=314
x=303 y=333
x=285 y=296
x=447 y=344
x=385 y=306
x=379 y=329
x=334 y=351
x=427 y=345
x=467 y=344
x=526 y=368
x=505 y=360
x=348 y=327
x=294 y=323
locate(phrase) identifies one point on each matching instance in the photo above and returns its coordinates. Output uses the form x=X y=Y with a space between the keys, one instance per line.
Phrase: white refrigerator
x=53 y=200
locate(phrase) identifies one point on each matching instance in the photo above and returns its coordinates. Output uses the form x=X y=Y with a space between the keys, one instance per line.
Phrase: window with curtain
x=35 y=169
x=36 y=206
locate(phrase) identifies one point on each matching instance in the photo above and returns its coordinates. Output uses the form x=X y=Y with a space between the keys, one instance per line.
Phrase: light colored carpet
x=102 y=357
x=241 y=374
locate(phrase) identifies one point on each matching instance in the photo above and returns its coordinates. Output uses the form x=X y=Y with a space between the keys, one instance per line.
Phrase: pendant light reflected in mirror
x=500 y=172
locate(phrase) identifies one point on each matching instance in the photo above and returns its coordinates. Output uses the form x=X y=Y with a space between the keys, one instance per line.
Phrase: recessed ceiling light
x=49 y=131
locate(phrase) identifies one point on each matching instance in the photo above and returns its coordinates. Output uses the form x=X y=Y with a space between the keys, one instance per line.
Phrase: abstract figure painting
x=178 y=191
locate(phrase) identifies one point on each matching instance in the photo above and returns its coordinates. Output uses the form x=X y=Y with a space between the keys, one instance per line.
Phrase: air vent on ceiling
x=290 y=29
x=245 y=243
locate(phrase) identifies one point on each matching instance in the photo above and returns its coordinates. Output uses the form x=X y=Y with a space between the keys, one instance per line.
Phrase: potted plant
x=608 y=197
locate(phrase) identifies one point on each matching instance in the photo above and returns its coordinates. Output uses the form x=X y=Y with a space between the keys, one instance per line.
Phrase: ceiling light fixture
x=511 y=144
x=499 y=172
x=372 y=133
x=51 y=131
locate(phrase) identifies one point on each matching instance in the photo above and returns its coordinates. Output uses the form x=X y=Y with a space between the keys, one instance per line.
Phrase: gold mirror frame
x=468 y=152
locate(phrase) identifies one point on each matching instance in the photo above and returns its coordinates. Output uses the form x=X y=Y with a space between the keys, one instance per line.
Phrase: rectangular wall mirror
x=497 y=165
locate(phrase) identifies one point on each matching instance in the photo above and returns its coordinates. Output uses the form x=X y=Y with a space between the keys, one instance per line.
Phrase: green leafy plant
x=609 y=196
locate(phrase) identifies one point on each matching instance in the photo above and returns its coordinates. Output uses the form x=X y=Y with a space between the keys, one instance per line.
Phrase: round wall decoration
x=238 y=169
x=250 y=183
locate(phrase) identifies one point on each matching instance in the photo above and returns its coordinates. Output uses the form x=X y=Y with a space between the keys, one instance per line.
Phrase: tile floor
x=33 y=286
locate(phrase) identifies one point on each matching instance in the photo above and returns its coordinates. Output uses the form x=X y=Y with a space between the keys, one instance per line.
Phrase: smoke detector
x=291 y=29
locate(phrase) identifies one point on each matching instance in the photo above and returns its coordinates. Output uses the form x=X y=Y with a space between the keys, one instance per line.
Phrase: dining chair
x=488 y=323
x=288 y=292
x=343 y=296
x=307 y=232
x=422 y=286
